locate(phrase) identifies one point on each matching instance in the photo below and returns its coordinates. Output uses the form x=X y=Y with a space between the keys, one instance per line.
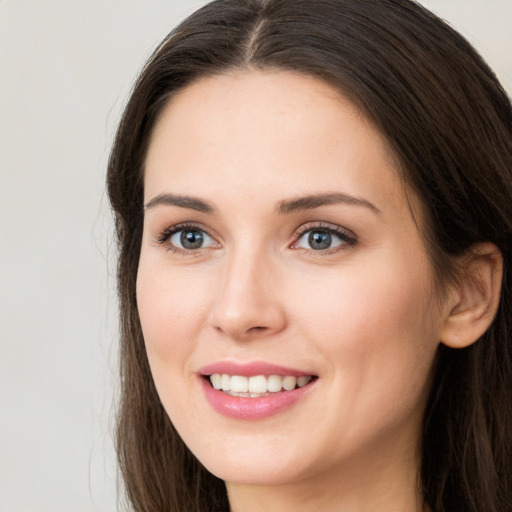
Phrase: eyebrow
x=284 y=207
x=317 y=200
x=182 y=201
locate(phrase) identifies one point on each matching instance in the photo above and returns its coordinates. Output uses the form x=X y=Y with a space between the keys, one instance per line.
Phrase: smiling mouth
x=258 y=385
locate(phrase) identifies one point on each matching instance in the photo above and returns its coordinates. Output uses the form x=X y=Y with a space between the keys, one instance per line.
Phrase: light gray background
x=65 y=71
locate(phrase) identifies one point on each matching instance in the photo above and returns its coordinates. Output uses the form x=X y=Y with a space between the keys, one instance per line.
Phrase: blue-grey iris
x=320 y=240
x=191 y=239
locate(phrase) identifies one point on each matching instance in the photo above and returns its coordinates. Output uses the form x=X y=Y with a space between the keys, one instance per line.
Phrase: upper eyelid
x=327 y=226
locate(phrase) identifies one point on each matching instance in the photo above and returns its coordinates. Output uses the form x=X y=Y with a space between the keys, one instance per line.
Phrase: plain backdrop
x=66 y=68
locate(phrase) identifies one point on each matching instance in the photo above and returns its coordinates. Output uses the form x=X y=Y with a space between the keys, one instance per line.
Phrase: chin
x=252 y=461
x=250 y=472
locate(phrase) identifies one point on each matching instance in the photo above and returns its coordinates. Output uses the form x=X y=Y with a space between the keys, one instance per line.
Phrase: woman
x=312 y=201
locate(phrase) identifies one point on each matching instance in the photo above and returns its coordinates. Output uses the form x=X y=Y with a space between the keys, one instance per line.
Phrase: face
x=280 y=261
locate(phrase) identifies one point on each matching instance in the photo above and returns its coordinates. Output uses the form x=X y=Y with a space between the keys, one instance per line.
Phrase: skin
x=363 y=316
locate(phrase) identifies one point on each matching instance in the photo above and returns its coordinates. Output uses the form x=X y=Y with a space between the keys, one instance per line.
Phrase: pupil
x=320 y=240
x=191 y=239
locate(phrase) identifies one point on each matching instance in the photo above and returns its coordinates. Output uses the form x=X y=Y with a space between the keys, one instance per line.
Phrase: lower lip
x=244 y=408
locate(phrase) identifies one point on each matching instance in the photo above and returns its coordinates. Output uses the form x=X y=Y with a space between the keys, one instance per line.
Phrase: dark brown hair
x=449 y=124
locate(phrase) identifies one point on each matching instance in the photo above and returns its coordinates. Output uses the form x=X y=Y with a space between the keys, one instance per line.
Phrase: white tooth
x=302 y=381
x=256 y=395
x=225 y=382
x=289 y=383
x=216 y=381
x=239 y=384
x=258 y=384
x=274 y=383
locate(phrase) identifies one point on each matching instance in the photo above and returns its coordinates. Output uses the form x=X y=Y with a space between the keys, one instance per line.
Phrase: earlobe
x=475 y=297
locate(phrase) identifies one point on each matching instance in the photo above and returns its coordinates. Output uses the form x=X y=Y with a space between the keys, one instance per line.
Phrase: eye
x=184 y=239
x=190 y=239
x=319 y=240
x=324 y=239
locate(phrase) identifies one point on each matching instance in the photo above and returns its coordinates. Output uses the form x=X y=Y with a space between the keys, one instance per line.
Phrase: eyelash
x=347 y=237
x=166 y=235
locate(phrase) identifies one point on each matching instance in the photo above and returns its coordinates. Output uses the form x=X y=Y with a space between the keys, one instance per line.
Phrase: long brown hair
x=449 y=123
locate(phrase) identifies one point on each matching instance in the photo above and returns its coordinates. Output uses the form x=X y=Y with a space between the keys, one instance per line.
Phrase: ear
x=475 y=299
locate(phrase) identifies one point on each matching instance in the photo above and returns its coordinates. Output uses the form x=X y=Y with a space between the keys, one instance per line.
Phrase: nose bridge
x=247 y=303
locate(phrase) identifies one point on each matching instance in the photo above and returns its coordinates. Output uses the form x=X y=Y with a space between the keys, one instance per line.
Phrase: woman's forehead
x=262 y=128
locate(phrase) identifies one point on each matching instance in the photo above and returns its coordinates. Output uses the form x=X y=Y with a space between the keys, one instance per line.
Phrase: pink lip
x=251 y=408
x=250 y=369
x=243 y=408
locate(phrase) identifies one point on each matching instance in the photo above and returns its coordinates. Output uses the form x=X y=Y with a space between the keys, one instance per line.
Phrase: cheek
x=366 y=300
x=172 y=311
x=377 y=329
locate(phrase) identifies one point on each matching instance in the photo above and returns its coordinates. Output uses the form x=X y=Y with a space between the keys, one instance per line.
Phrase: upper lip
x=251 y=369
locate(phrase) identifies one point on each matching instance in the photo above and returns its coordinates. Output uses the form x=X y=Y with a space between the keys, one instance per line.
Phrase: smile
x=254 y=391
x=258 y=385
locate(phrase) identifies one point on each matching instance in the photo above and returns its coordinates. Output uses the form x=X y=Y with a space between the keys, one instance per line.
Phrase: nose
x=248 y=304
